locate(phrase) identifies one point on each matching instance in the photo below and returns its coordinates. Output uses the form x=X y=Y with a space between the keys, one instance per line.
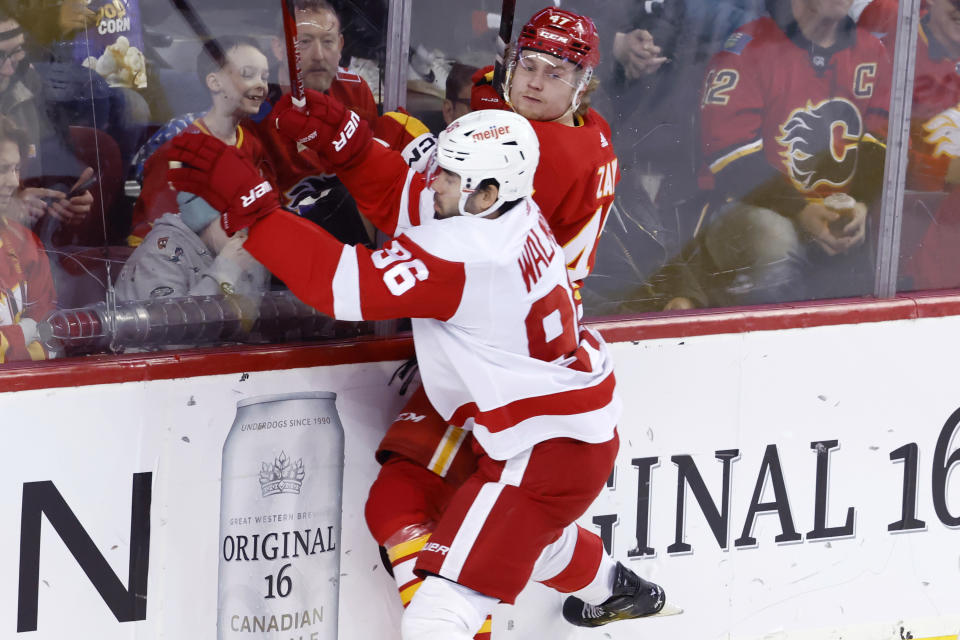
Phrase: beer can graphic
x=280 y=506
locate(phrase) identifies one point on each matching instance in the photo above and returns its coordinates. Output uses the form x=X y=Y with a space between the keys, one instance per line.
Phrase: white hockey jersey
x=494 y=323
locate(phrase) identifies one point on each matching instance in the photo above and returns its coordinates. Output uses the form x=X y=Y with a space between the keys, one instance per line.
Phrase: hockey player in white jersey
x=501 y=352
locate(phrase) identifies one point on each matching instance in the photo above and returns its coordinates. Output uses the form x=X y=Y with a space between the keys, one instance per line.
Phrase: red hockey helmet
x=563 y=34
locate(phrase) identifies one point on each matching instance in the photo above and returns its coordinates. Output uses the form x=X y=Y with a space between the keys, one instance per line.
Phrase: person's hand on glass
x=638 y=53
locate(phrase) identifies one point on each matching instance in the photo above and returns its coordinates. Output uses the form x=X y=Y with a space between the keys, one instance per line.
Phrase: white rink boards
x=842 y=517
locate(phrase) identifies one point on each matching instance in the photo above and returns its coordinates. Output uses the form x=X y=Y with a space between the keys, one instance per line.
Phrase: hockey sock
x=403 y=547
x=445 y=610
x=587 y=572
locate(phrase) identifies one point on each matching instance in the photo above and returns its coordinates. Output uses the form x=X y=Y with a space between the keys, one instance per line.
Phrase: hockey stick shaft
x=200 y=29
x=504 y=36
x=293 y=51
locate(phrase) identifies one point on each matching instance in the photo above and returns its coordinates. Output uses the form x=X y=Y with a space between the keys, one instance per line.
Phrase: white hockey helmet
x=486 y=144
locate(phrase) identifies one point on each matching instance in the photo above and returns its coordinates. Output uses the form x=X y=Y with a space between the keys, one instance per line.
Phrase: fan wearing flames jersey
x=238 y=87
x=306 y=182
x=549 y=79
x=27 y=293
x=476 y=267
x=934 y=157
x=794 y=109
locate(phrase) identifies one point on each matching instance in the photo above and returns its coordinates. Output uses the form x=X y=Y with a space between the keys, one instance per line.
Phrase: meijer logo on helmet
x=493 y=132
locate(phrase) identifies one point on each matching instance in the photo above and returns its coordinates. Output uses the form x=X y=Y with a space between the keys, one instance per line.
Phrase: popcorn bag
x=115 y=49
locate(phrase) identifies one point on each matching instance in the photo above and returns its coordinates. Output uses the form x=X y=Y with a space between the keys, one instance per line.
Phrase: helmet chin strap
x=465 y=195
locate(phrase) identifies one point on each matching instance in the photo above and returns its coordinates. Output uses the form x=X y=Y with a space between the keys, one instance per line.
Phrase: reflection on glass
x=792 y=114
x=736 y=124
x=931 y=216
x=99 y=89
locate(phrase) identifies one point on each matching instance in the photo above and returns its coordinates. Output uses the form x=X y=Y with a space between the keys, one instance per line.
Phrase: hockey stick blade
x=668 y=610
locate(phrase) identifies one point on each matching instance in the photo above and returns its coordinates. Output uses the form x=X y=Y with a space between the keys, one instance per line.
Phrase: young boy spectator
x=26 y=287
x=234 y=70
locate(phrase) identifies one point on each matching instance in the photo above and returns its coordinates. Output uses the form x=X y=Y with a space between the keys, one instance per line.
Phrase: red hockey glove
x=326 y=126
x=483 y=95
x=223 y=177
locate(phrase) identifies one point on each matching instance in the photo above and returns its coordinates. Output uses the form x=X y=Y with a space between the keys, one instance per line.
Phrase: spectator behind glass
x=234 y=71
x=774 y=100
x=657 y=53
x=305 y=181
x=75 y=95
x=21 y=99
x=929 y=257
x=27 y=293
x=189 y=254
x=458 y=88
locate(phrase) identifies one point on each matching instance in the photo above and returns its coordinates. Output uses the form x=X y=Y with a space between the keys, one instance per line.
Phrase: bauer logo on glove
x=323 y=121
x=222 y=176
x=255 y=193
x=348 y=130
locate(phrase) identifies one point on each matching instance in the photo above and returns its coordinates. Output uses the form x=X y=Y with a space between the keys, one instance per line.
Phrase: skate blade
x=668 y=610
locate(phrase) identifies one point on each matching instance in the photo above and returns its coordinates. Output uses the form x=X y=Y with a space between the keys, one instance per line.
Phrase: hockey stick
x=293 y=52
x=200 y=29
x=503 y=40
x=203 y=33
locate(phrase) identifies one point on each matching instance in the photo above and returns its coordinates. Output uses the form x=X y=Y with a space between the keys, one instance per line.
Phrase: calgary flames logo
x=306 y=193
x=820 y=143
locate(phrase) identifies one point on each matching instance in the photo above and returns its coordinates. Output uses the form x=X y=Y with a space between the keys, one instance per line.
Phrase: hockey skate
x=633 y=597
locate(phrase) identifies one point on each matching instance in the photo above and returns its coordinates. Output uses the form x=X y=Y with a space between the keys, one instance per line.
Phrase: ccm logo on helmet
x=494 y=132
x=255 y=193
x=348 y=130
x=549 y=35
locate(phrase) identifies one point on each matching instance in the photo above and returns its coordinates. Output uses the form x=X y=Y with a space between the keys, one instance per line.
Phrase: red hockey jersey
x=498 y=343
x=936 y=89
x=26 y=290
x=575 y=180
x=785 y=120
x=574 y=186
x=157 y=197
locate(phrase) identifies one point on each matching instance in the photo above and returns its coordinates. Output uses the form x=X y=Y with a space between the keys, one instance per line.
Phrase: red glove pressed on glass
x=326 y=126
x=223 y=177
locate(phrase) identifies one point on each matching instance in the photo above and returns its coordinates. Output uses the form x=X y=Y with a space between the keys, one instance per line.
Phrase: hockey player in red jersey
x=499 y=345
x=793 y=110
x=549 y=78
x=26 y=287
